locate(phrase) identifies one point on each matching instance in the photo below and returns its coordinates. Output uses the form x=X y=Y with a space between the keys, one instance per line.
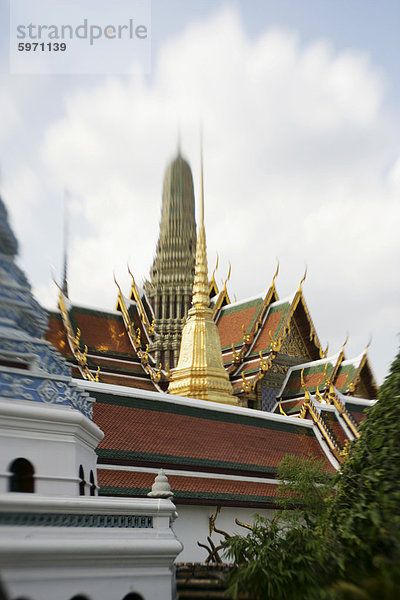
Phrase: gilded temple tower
x=200 y=371
x=171 y=276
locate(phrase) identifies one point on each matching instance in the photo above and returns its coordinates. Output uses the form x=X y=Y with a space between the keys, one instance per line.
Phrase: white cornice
x=37 y=416
x=162 y=397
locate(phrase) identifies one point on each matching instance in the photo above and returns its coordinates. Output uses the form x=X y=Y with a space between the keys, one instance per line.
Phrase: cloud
x=300 y=164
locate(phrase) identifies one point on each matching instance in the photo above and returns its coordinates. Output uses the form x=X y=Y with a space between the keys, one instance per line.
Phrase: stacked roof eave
x=210 y=452
x=105 y=346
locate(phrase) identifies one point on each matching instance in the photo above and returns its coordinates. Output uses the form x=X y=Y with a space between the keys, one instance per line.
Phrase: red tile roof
x=172 y=434
x=231 y=320
x=121 y=482
x=103 y=333
x=271 y=323
x=55 y=334
x=330 y=419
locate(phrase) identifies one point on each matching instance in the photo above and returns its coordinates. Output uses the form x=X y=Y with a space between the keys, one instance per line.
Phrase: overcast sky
x=300 y=105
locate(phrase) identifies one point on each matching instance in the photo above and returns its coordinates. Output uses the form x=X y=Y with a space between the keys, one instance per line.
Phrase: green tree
x=340 y=542
x=364 y=513
x=284 y=558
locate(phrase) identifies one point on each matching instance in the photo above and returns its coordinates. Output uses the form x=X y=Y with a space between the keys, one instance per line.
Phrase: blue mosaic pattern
x=15 y=292
x=40 y=389
x=49 y=359
x=22 y=323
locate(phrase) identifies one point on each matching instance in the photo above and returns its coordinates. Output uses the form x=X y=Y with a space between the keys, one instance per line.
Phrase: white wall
x=44 y=562
x=192 y=526
x=55 y=439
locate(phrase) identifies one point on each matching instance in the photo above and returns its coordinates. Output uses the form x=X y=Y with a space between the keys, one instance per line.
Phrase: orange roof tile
x=232 y=318
x=138 y=483
x=104 y=333
x=271 y=323
x=179 y=436
x=55 y=334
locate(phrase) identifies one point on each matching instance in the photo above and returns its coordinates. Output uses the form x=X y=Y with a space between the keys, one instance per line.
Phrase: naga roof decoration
x=264 y=326
x=74 y=341
x=214 y=290
x=336 y=414
x=222 y=296
x=345 y=375
x=111 y=345
x=269 y=357
x=134 y=334
x=266 y=341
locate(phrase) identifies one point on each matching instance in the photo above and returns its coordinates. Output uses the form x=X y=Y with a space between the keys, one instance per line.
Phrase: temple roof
x=100 y=345
x=345 y=374
x=147 y=431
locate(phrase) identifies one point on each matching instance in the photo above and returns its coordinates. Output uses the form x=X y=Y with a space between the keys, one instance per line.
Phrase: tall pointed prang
x=170 y=286
x=200 y=372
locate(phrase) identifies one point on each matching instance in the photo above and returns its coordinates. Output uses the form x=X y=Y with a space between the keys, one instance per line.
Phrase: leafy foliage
x=332 y=541
x=364 y=513
x=304 y=488
x=284 y=558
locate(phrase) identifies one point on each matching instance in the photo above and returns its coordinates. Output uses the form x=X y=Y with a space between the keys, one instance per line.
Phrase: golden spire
x=200 y=372
x=201 y=286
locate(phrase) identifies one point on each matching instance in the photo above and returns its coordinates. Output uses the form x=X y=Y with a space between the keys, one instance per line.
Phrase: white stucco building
x=58 y=539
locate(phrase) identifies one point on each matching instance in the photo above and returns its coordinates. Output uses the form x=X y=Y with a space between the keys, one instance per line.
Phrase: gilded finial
x=324 y=353
x=265 y=363
x=318 y=394
x=200 y=371
x=168 y=371
x=303 y=385
x=96 y=377
x=246 y=385
x=216 y=265
x=117 y=284
x=138 y=336
x=281 y=409
x=201 y=297
x=229 y=275
x=276 y=274
x=346 y=340
x=302 y=280
x=275 y=344
x=247 y=337
x=130 y=272
x=327 y=379
x=152 y=326
x=235 y=355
